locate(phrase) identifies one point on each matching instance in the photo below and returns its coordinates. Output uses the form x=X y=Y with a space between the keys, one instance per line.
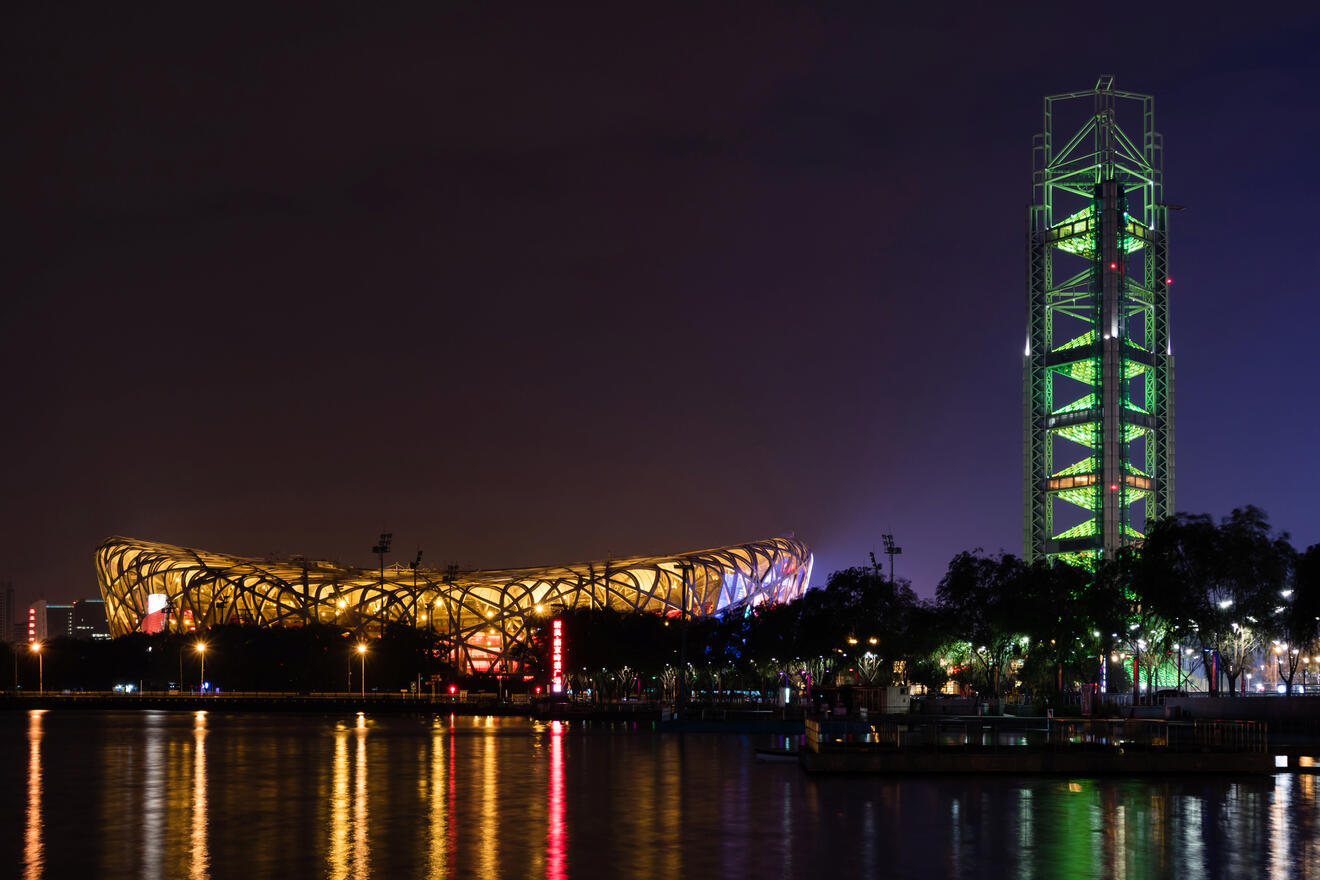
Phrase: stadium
x=484 y=616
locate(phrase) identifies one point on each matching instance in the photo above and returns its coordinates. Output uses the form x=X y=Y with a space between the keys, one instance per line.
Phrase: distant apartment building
x=49 y=620
x=89 y=620
x=9 y=627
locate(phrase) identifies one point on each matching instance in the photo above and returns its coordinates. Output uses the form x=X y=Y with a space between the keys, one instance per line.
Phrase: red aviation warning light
x=557 y=656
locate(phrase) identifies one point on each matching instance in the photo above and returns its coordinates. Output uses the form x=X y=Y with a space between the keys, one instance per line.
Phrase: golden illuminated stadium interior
x=485 y=615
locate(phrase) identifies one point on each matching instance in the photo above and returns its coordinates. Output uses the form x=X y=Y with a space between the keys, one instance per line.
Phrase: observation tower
x=1098 y=365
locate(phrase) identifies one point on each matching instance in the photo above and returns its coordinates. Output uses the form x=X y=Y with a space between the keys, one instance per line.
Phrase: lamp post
x=362 y=652
x=41 y=669
x=201 y=681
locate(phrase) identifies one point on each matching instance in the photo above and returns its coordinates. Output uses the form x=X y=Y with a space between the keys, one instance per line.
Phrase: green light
x=1097 y=369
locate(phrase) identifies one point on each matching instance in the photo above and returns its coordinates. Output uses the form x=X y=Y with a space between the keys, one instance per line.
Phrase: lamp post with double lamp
x=201 y=680
x=362 y=652
x=41 y=668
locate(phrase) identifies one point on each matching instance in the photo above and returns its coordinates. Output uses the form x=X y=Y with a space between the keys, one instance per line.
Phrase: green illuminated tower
x=1098 y=366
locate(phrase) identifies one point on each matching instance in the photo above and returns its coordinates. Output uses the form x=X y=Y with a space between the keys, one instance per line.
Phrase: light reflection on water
x=200 y=858
x=33 y=848
x=210 y=795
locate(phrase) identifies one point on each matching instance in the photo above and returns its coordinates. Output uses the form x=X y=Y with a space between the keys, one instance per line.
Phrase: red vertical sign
x=557 y=656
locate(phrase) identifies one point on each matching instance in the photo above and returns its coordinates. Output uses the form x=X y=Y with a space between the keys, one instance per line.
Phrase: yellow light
x=201 y=647
x=361 y=648
x=342 y=604
x=36 y=646
x=540 y=608
x=872 y=640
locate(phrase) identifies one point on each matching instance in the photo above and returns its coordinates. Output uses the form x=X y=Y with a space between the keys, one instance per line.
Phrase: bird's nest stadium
x=485 y=616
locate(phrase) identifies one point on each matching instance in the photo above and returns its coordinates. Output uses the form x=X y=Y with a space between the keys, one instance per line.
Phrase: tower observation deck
x=1098 y=365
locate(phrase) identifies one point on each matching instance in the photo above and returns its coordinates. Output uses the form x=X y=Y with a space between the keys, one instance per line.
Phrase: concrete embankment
x=1027 y=761
x=719 y=720
x=260 y=703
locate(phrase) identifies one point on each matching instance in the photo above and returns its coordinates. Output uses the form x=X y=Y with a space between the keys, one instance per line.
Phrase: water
x=182 y=794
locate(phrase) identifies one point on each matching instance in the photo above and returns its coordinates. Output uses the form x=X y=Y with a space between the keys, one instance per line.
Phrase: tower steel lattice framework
x=1098 y=366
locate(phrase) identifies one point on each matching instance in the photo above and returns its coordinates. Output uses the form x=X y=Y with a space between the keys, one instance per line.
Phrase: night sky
x=528 y=285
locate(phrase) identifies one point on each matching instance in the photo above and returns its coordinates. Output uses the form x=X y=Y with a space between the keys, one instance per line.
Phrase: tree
x=1227 y=579
x=1298 y=618
x=980 y=593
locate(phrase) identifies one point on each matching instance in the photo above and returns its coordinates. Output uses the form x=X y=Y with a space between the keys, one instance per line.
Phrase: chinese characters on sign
x=557 y=657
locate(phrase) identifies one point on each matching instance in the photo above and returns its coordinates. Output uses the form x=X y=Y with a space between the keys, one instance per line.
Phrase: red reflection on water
x=452 y=820
x=554 y=832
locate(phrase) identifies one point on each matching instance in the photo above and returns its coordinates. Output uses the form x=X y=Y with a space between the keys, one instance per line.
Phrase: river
x=197 y=795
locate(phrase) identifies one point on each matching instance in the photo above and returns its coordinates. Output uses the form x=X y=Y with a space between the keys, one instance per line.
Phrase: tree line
x=1196 y=598
x=1200 y=597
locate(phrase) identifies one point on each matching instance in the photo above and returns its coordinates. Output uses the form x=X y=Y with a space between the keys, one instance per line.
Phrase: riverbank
x=697 y=719
x=1028 y=760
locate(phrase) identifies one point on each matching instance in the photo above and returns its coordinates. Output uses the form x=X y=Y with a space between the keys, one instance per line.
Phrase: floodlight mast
x=382 y=547
x=414 y=565
x=1098 y=365
x=891 y=551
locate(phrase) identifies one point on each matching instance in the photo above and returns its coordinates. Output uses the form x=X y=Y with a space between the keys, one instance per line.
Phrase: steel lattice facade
x=485 y=615
x=1098 y=365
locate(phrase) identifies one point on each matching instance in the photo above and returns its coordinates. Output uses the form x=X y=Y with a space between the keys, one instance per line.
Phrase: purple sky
x=540 y=286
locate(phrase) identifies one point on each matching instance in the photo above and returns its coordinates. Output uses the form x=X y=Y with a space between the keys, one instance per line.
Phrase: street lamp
x=41 y=668
x=362 y=652
x=201 y=681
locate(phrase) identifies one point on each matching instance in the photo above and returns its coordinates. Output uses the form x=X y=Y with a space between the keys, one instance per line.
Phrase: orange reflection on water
x=154 y=792
x=199 y=867
x=338 y=855
x=349 y=848
x=361 y=850
x=436 y=801
x=488 y=849
x=34 y=850
x=555 y=868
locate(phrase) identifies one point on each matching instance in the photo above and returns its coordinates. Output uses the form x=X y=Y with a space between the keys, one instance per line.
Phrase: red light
x=538 y=688
x=1113 y=487
x=1113 y=265
x=453 y=688
x=1168 y=280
